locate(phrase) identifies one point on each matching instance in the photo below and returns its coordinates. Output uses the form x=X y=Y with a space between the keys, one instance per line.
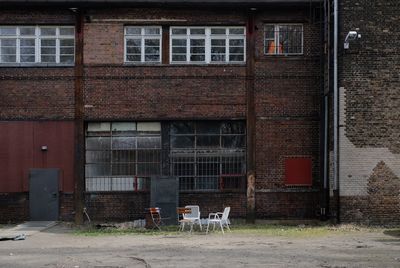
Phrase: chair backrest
x=194 y=214
x=182 y=211
x=225 y=215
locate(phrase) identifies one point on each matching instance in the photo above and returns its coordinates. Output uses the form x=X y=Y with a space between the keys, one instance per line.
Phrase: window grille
x=209 y=156
x=283 y=39
x=121 y=156
x=37 y=44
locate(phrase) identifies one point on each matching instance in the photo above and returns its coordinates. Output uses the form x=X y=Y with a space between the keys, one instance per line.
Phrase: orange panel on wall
x=298 y=171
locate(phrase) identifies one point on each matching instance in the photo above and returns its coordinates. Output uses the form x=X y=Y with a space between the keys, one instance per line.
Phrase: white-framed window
x=207 y=45
x=143 y=44
x=283 y=39
x=37 y=44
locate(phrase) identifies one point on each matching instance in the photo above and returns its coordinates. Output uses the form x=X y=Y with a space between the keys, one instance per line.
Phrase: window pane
x=208 y=141
x=233 y=141
x=98 y=143
x=269 y=31
x=27 y=31
x=123 y=156
x=48 y=31
x=8 y=30
x=149 y=142
x=151 y=31
x=8 y=58
x=133 y=58
x=182 y=141
x=67 y=50
x=133 y=50
x=8 y=50
x=178 y=31
x=208 y=127
x=236 y=58
x=67 y=42
x=123 y=169
x=182 y=128
x=133 y=42
x=178 y=57
x=27 y=42
x=152 y=58
x=236 y=31
x=97 y=156
x=27 y=58
x=200 y=31
x=67 y=59
x=233 y=127
x=8 y=42
x=179 y=42
x=99 y=127
x=133 y=30
x=123 y=127
x=218 y=31
x=67 y=31
x=48 y=50
x=123 y=143
x=236 y=42
x=152 y=42
x=94 y=170
x=179 y=50
x=48 y=42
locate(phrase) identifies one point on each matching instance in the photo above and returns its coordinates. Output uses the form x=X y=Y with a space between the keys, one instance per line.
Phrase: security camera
x=351 y=36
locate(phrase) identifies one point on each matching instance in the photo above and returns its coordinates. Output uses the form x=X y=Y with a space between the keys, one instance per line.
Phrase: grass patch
x=280 y=230
x=93 y=231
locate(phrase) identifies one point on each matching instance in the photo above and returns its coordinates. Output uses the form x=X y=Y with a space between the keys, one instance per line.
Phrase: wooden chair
x=156 y=217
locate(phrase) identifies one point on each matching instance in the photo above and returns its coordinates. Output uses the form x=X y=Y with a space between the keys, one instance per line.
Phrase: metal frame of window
x=199 y=163
x=140 y=181
x=37 y=47
x=276 y=38
x=207 y=36
x=142 y=37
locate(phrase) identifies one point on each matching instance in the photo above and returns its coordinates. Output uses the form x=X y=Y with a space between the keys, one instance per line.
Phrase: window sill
x=34 y=65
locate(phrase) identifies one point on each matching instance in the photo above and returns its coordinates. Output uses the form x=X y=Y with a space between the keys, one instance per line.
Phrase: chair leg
x=227 y=226
x=208 y=225
x=200 y=225
x=222 y=228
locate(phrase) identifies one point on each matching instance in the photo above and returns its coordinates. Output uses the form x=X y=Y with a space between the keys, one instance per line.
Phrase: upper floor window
x=283 y=39
x=207 y=45
x=37 y=44
x=142 y=44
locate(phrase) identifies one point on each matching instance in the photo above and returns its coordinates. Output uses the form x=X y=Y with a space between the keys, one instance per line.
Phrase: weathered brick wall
x=369 y=104
x=14 y=207
x=287 y=99
x=287 y=96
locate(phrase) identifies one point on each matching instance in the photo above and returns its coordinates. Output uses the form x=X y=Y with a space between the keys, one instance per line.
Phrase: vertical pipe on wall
x=79 y=123
x=336 y=107
x=250 y=118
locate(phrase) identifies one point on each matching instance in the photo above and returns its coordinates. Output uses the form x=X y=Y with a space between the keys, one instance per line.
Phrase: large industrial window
x=142 y=44
x=283 y=39
x=121 y=156
x=37 y=44
x=207 y=45
x=208 y=155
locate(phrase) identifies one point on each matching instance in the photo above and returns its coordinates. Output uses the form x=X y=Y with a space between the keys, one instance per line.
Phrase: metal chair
x=156 y=217
x=221 y=218
x=181 y=211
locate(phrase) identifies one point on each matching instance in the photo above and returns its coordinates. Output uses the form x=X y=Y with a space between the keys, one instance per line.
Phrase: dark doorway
x=43 y=194
x=165 y=195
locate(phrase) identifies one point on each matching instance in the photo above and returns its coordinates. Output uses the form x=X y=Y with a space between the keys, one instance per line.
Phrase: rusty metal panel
x=16 y=139
x=58 y=137
x=21 y=149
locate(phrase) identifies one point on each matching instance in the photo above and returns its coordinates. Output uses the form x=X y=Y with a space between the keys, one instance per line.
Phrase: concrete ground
x=57 y=246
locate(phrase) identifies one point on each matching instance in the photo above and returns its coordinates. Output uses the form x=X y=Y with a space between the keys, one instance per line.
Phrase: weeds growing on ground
x=255 y=229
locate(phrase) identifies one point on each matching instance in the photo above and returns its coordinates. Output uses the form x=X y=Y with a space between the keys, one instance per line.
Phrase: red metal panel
x=16 y=155
x=298 y=171
x=20 y=150
x=59 y=139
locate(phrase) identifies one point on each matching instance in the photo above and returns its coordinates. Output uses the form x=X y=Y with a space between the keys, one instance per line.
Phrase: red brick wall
x=286 y=89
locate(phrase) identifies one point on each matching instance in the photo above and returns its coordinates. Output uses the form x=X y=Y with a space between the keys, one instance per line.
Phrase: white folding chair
x=221 y=218
x=193 y=217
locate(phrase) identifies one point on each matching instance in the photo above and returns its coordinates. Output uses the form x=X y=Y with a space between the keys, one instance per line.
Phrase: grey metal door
x=43 y=194
x=165 y=195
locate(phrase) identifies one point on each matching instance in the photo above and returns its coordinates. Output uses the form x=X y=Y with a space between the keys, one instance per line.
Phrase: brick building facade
x=113 y=119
